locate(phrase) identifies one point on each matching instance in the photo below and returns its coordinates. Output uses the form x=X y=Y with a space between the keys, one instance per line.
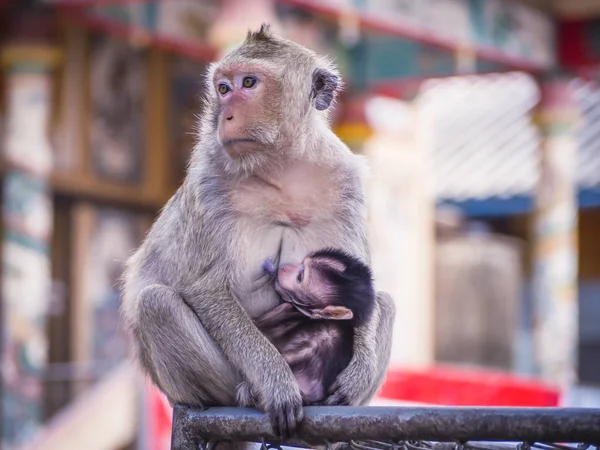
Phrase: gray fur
x=195 y=282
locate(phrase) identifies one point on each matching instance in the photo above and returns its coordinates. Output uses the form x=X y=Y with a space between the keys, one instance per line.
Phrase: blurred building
x=481 y=119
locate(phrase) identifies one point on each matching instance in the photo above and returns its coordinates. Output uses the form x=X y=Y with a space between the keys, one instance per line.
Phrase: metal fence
x=397 y=428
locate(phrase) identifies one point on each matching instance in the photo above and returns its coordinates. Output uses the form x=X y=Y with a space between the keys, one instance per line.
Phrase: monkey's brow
x=243 y=67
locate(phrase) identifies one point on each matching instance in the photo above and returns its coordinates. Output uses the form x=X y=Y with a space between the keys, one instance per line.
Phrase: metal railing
x=397 y=428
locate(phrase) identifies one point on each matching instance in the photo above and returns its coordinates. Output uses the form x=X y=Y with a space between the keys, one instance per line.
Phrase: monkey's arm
x=278 y=321
x=261 y=365
x=360 y=381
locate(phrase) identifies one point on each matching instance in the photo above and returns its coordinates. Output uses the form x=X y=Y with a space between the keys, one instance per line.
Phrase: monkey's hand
x=350 y=385
x=361 y=380
x=243 y=395
x=282 y=402
x=271 y=381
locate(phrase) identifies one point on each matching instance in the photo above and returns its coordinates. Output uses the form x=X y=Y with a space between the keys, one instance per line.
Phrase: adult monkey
x=267 y=179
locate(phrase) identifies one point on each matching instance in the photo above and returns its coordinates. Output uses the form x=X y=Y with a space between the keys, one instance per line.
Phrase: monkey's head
x=265 y=95
x=329 y=284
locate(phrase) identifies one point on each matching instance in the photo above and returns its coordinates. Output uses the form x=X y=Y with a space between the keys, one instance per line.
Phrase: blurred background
x=481 y=121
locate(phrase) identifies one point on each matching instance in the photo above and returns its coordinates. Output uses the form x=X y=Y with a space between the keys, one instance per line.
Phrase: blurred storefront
x=481 y=120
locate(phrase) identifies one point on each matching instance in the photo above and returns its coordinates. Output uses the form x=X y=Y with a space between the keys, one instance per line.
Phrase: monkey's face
x=247 y=116
x=267 y=97
x=306 y=286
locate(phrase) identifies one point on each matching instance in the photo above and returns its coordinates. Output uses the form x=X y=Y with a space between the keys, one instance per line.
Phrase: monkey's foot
x=244 y=395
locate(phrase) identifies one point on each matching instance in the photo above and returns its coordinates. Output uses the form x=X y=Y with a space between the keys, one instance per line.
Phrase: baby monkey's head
x=328 y=284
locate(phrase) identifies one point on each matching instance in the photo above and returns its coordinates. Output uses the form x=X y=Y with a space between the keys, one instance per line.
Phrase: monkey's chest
x=281 y=224
x=253 y=244
x=302 y=195
x=294 y=211
x=258 y=240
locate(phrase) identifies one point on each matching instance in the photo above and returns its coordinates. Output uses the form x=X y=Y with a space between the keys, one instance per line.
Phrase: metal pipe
x=335 y=424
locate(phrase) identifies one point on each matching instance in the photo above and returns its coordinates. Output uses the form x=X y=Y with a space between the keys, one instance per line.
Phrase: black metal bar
x=334 y=424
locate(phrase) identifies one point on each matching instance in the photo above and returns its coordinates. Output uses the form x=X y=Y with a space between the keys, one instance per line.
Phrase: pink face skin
x=292 y=278
x=243 y=93
x=300 y=284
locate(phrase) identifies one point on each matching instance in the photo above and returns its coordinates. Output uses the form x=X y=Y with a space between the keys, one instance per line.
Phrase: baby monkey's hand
x=269 y=267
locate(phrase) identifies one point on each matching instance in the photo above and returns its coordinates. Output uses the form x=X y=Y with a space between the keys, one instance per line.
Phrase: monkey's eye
x=300 y=276
x=248 y=82
x=223 y=89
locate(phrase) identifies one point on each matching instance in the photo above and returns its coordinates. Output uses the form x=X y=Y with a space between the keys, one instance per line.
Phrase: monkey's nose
x=230 y=117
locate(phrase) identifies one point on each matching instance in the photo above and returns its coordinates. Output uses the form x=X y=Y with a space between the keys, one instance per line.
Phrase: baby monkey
x=324 y=298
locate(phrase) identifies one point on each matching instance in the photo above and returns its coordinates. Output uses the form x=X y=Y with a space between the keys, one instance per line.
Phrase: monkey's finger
x=334 y=388
x=336 y=395
x=332 y=401
x=296 y=416
x=288 y=423
x=279 y=423
x=337 y=399
x=274 y=419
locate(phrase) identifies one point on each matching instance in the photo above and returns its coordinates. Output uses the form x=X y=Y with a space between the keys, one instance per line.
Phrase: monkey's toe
x=285 y=420
x=244 y=395
x=337 y=397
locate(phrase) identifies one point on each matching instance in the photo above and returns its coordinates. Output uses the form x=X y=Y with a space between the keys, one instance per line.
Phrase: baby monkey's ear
x=324 y=86
x=332 y=313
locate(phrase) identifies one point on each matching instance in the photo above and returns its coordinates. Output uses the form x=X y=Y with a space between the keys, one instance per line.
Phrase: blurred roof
x=485 y=143
x=588 y=169
x=486 y=146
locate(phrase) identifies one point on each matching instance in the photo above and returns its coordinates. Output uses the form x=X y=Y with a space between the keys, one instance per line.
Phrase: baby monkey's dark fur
x=314 y=327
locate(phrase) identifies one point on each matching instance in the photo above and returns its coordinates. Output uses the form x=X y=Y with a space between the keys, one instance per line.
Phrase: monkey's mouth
x=230 y=142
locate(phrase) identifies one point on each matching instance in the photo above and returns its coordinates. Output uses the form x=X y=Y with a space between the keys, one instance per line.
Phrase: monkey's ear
x=333 y=313
x=324 y=86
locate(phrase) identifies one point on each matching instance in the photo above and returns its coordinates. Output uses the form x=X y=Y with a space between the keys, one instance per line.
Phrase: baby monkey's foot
x=269 y=267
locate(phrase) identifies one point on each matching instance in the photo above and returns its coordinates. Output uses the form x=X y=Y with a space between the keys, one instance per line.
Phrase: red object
x=577 y=46
x=460 y=387
x=159 y=419
x=573 y=50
